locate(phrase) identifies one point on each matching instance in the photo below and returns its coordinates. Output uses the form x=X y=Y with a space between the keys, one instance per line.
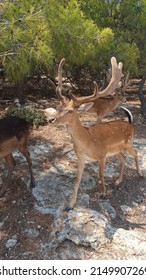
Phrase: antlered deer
x=14 y=134
x=104 y=105
x=97 y=142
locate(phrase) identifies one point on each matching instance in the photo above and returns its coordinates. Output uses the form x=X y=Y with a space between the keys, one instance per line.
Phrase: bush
x=29 y=113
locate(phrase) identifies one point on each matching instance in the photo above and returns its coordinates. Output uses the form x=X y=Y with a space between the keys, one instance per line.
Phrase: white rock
x=126 y=209
x=11 y=242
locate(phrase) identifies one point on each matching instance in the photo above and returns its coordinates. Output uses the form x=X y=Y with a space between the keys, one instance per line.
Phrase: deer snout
x=123 y=99
x=50 y=114
x=51 y=120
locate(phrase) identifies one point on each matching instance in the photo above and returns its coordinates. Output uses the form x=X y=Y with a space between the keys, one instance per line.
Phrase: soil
x=17 y=212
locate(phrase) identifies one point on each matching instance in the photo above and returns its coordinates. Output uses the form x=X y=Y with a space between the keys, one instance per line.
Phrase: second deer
x=95 y=143
x=103 y=106
x=14 y=134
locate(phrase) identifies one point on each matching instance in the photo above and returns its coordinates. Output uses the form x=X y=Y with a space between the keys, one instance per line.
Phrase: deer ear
x=85 y=106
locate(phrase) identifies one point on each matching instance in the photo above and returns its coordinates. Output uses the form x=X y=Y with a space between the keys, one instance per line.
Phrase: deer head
x=68 y=107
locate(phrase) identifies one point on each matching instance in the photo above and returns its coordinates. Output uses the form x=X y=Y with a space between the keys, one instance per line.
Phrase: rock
x=130 y=243
x=107 y=209
x=83 y=227
x=126 y=209
x=1 y=224
x=86 y=228
x=32 y=232
x=11 y=242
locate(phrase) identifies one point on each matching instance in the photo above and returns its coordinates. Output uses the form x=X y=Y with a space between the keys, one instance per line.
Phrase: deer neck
x=116 y=102
x=76 y=130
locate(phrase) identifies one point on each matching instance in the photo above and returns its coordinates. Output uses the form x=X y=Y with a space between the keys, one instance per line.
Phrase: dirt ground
x=17 y=210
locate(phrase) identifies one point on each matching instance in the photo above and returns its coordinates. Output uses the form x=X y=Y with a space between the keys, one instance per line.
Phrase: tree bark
x=142 y=98
x=19 y=91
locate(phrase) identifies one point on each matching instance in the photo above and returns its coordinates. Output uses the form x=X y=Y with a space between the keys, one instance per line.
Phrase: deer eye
x=70 y=111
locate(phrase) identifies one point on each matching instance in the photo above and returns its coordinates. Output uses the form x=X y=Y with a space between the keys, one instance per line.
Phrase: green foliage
x=127 y=20
x=103 y=52
x=26 y=39
x=74 y=37
x=35 y=35
x=35 y=32
x=129 y=55
x=29 y=113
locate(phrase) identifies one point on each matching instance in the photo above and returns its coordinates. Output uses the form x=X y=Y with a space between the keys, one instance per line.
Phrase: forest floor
x=25 y=226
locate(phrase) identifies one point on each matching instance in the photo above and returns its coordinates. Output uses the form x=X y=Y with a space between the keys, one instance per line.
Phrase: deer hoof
x=141 y=175
x=67 y=209
x=103 y=196
x=32 y=185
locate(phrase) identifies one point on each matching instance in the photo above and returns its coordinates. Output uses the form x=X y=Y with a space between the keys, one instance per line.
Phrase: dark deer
x=14 y=134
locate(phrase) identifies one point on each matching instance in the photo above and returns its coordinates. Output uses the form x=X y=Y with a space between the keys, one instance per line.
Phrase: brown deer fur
x=100 y=141
x=103 y=106
x=14 y=134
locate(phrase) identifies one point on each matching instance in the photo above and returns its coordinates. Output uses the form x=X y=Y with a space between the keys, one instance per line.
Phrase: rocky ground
x=33 y=223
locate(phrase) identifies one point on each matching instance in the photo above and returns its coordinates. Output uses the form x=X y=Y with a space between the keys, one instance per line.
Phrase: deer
x=14 y=133
x=97 y=142
x=104 y=105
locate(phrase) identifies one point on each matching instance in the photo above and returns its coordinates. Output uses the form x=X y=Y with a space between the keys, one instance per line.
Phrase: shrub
x=29 y=113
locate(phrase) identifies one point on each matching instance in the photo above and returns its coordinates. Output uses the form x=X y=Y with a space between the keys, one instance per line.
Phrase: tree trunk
x=142 y=98
x=19 y=91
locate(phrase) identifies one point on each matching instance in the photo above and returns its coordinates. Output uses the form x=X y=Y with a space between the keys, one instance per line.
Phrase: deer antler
x=84 y=99
x=125 y=83
x=58 y=89
x=109 y=90
x=115 y=80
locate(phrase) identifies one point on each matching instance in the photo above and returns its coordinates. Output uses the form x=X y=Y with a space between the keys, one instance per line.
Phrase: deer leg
x=11 y=165
x=132 y=152
x=81 y=165
x=26 y=154
x=101 y=175
x=99 y=119
x=120 y=177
